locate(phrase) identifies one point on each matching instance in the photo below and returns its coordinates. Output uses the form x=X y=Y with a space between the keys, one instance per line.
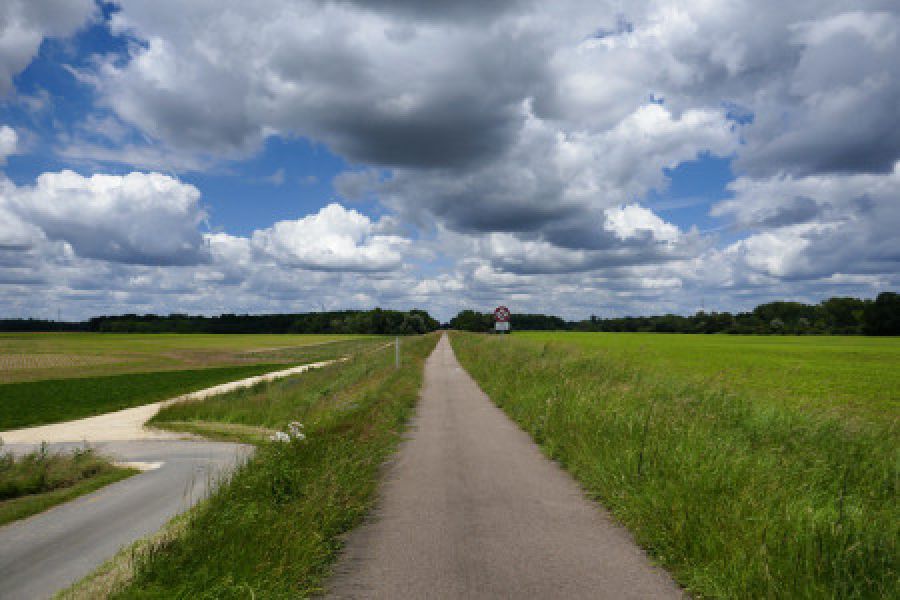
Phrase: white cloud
x=140 y=218
x=25 y=23
x=334 y=239
x=8 y=142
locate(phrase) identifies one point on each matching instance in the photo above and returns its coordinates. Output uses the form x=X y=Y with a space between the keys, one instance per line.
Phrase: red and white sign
x=501 y=314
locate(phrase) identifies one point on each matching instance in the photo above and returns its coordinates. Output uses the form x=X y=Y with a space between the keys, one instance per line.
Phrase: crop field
x=97 y=373
x=36 y=356
x=750 y=467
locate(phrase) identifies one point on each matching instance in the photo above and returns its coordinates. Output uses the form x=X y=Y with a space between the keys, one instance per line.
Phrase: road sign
x=501 y=319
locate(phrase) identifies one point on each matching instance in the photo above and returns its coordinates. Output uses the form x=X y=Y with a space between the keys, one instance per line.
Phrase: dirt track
x=472 y=509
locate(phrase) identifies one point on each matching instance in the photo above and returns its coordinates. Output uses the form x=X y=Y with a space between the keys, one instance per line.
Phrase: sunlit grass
x=740 y=496
x=273 y=529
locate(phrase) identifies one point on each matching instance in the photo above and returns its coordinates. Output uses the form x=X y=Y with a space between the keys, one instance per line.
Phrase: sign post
x=501 y=319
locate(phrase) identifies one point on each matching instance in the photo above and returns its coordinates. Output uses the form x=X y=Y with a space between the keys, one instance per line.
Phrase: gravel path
x=471 y=509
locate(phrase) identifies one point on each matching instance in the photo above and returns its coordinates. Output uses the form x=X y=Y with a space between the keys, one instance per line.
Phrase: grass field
x=273 y=530
x=851 y=375
x=751 y=467
x=36 y=356
x=27 y=403
x=34 y=482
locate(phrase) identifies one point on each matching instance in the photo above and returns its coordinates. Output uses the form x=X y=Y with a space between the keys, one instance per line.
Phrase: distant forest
x=842 y=316
x=344 y=321
x=849 y=316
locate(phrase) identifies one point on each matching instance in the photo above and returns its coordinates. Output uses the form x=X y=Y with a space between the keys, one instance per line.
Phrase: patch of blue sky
x=694 y=186
x=289 y=179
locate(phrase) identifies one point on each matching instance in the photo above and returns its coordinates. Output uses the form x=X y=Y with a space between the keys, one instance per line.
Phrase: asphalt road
x=49 y=551
x=471 y=509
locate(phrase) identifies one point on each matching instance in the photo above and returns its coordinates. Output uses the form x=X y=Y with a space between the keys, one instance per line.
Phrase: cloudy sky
x=571 y=157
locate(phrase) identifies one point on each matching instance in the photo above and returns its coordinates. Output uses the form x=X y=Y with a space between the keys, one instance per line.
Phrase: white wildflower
x=295 y=430
x=280 y=436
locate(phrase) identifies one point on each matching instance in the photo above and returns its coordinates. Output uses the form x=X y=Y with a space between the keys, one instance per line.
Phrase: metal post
x=397 y=352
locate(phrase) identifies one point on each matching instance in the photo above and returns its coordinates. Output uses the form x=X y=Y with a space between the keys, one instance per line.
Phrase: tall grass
x=38 y=480
x=739 y=498
x=273 y=530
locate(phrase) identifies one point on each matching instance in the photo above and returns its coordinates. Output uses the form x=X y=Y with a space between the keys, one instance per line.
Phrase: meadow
x=750 y=467
x=273 y=529
x=149 y=363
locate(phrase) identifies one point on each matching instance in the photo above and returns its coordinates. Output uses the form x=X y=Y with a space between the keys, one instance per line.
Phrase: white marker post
x=397 y=352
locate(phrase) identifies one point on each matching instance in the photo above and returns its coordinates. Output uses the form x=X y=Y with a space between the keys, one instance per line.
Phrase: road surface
x=471 y=509
x=49 y=551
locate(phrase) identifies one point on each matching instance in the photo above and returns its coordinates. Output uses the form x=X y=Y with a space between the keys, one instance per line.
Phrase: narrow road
x=471 y=509
x=49 y=551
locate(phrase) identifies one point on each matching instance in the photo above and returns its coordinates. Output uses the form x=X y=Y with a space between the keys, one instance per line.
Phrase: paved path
x=472 y=509
x=49 y=551
x=128 y=424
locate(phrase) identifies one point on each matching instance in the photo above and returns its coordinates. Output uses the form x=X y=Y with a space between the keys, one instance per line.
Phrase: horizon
x=567 y=158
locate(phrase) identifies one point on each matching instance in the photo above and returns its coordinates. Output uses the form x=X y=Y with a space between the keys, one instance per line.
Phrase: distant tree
x=882 y=317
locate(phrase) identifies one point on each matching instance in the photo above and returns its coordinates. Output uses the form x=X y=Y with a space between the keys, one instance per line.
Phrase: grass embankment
x=272 y=530
x=34 y=482
x=739 y=496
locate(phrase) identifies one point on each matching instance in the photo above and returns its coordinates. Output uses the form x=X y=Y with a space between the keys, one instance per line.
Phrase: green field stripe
x=55 y=400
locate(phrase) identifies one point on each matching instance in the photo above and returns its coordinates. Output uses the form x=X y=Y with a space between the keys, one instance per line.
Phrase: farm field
x=749 y=467
x=130 y=370
x=36 y=356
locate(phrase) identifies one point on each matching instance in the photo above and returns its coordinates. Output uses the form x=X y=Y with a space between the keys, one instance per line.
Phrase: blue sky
x=220 y=156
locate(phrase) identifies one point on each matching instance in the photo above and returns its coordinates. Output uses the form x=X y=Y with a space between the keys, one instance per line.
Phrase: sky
x=573 y=157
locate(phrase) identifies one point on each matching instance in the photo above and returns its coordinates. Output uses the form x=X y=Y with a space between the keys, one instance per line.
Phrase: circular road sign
x=501 y=314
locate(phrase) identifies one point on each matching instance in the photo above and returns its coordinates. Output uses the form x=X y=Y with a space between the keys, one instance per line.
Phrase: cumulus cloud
x=139 y=218
x=526 y=141
x=816 y=226
x=25 y=23
x=334 y=239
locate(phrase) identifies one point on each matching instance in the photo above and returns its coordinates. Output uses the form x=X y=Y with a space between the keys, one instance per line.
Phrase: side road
x=47 y=552
x=472 y=509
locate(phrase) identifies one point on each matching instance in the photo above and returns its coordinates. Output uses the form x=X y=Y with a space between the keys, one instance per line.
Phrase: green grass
x=272 y=530
x=34 y=482
x=724 y=467
x=851 y=375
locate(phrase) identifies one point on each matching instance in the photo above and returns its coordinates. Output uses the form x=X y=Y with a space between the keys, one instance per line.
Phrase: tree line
x=377 y=321
x=840 y=315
